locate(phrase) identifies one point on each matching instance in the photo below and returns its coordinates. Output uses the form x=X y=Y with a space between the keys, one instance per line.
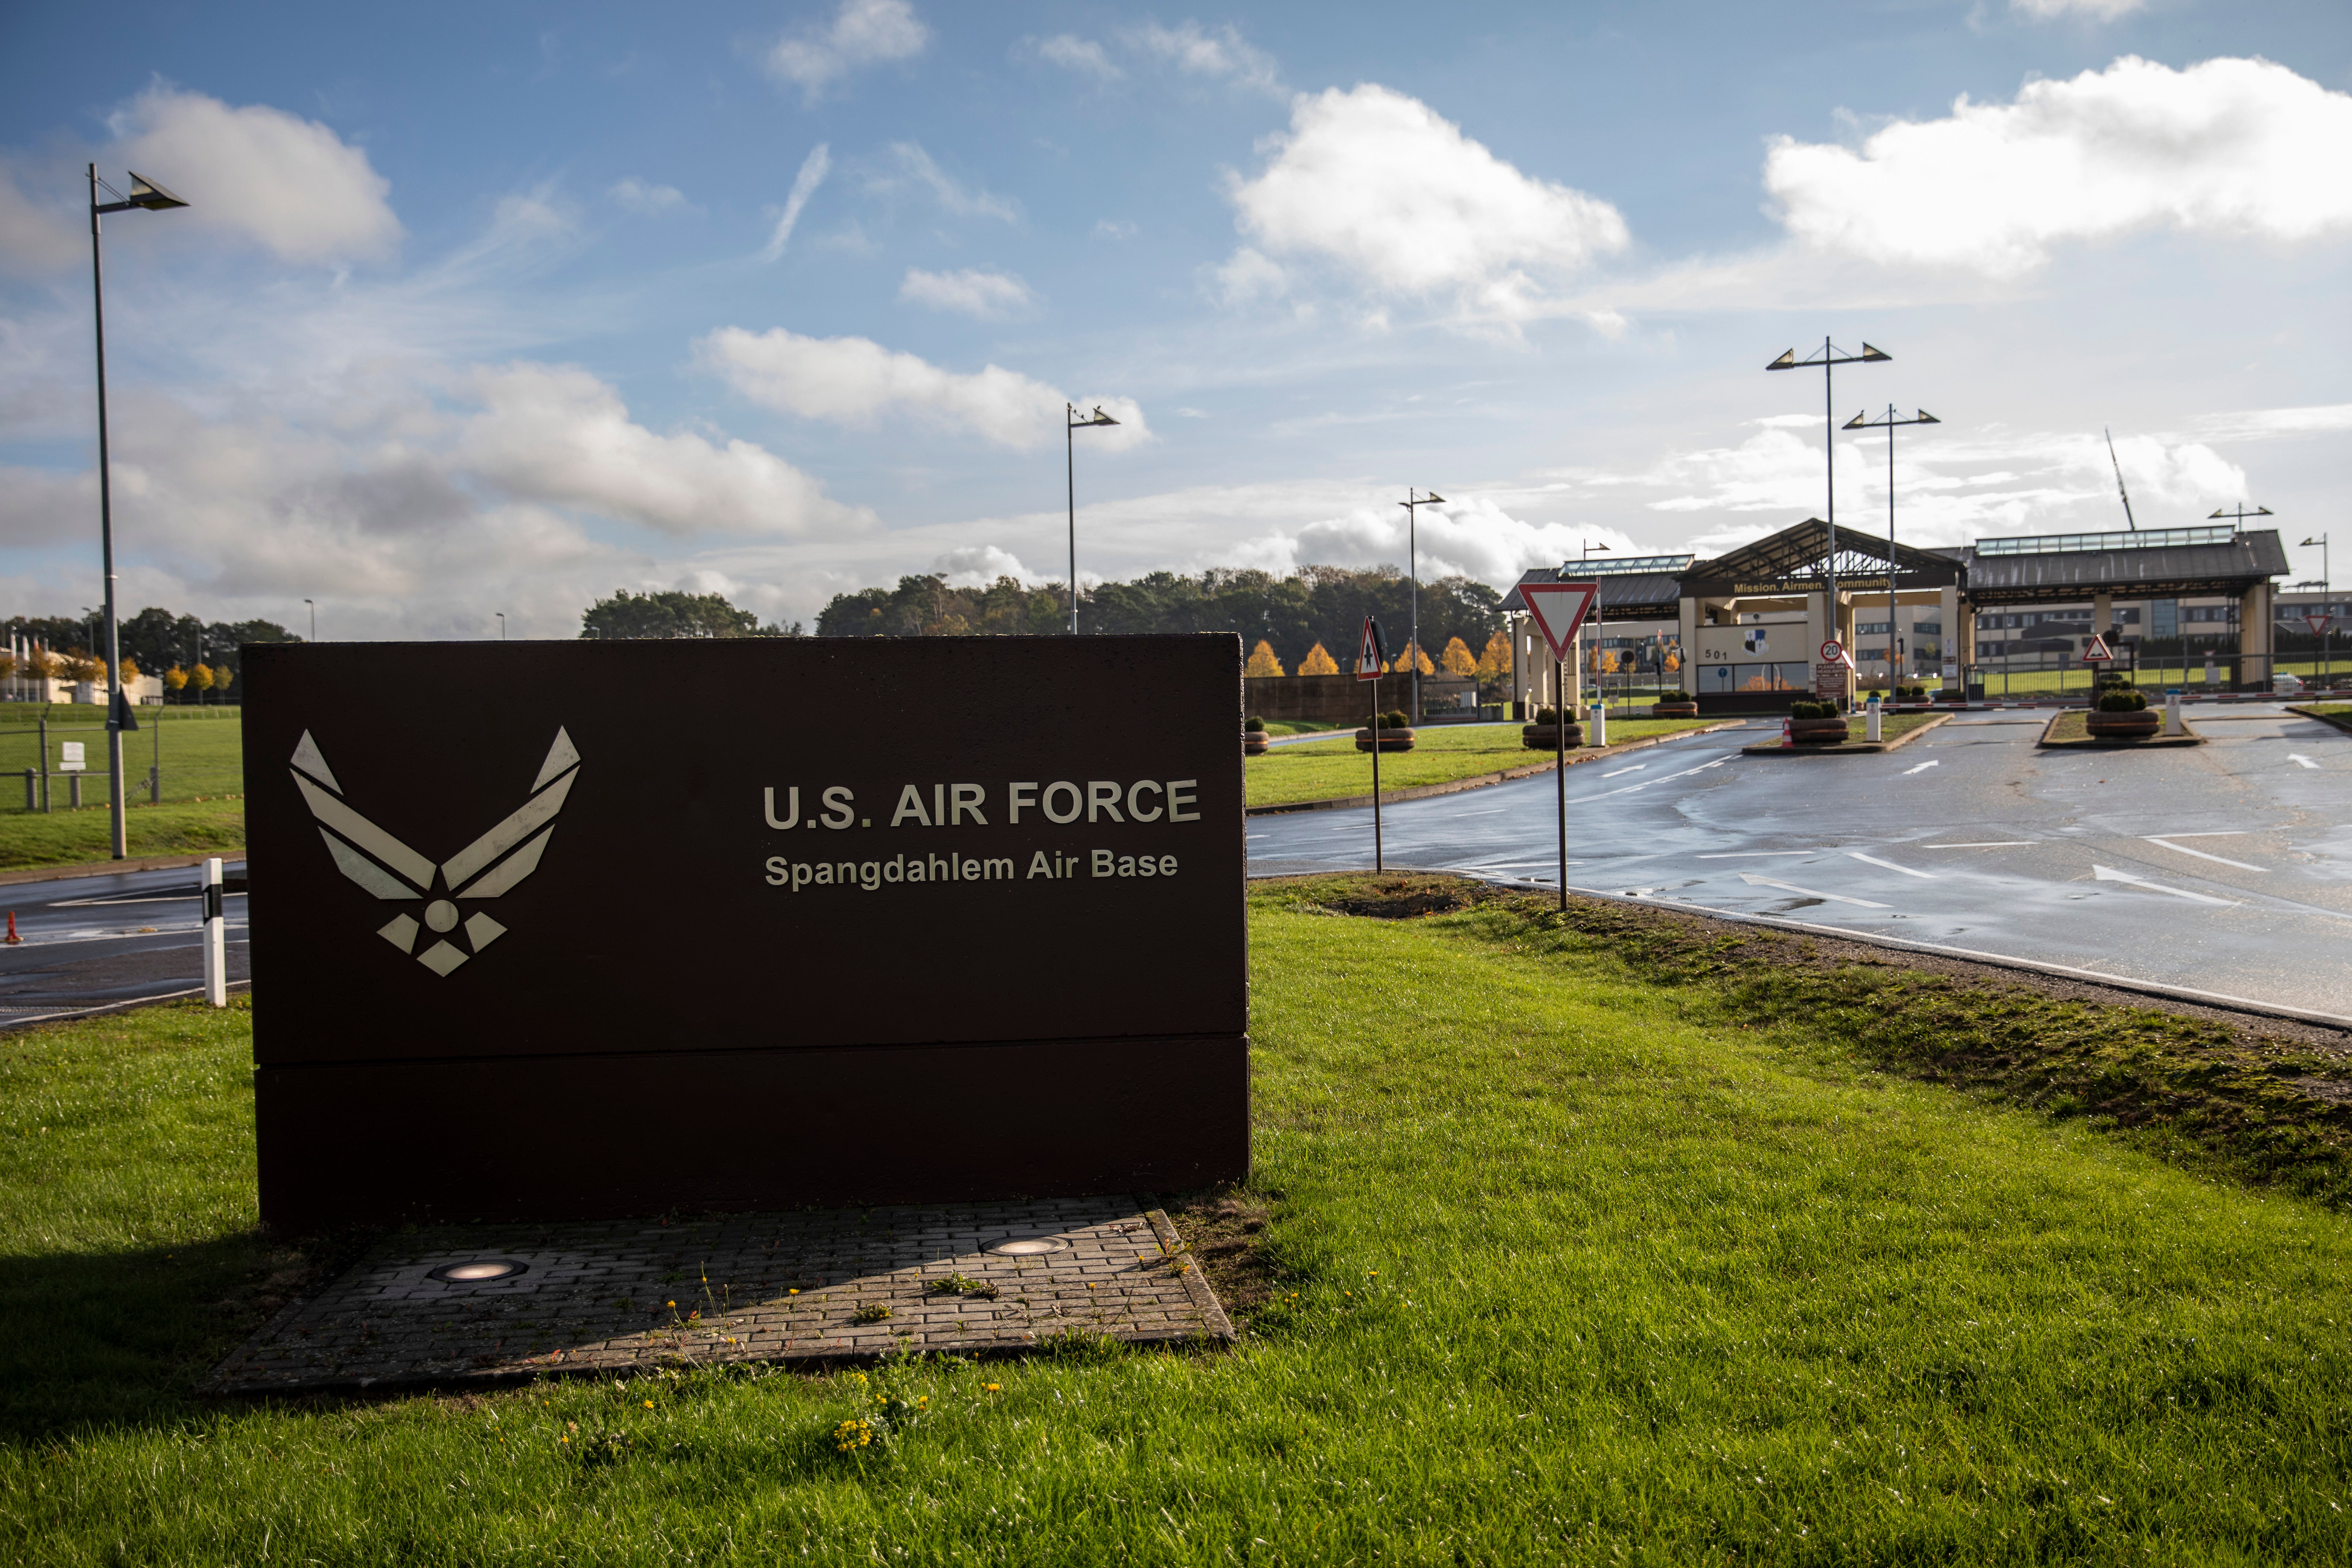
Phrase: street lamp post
x=1829 y=356
x=1894 y=670
x=145 y=194
x=1070 y=459
x=1585 y=548
x=314 y=619
x=502 y=623
x=2327 y=586
x=1412 y=553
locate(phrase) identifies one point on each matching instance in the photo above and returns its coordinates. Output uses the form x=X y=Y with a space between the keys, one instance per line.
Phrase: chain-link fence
x=54 y=757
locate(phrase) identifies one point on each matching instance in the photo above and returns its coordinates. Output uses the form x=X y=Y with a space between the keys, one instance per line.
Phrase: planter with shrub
x=1816 y=723
x=1253 y=737
x=1544 y=735
x=1674 y=705
x=1395 y=733
x=2121 y=712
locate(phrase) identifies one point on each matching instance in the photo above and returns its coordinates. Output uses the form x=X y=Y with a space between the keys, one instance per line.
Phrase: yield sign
x=2318 y=623
x=1557 y=609
x=2097 y=652
x=1369 y=660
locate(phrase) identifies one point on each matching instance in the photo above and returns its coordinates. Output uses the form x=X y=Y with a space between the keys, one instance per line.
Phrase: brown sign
x=564 y=930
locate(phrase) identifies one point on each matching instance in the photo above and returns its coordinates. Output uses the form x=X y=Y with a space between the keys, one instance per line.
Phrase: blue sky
x=484 y=309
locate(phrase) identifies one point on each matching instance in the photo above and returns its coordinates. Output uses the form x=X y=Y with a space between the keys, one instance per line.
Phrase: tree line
x=197 y=659
x=1315 y=608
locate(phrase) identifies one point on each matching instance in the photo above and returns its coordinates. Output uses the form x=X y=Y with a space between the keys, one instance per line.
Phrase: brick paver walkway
x=618 y=1295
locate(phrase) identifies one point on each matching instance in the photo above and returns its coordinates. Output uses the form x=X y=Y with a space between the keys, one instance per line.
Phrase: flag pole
x=1559 y=768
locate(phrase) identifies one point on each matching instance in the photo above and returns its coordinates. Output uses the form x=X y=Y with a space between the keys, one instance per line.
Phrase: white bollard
x=1599 y=711
x=1871 y=732
x=215 y=938
x=2172 y=713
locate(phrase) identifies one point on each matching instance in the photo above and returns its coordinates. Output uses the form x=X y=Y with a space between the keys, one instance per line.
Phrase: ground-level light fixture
x=1070 y=460
x=478 y=1271
x=149 y=196
x=1028 y=1246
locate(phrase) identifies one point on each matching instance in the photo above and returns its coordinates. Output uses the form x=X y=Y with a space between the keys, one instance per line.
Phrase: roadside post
x=1371 y=660
x=1872 y=731
x=215 y=938
x=1557 y=609
x=2172 y=712
x=1600 y=720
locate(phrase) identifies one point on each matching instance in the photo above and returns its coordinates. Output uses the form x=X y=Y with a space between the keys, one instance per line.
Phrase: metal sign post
x=1557 y=609
x=1371 y=658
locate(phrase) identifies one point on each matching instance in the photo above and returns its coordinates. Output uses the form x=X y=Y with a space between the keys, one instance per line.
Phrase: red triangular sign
x=2097 y=652
x=2318 y=623
x=1369 y=661
x=1557 y=609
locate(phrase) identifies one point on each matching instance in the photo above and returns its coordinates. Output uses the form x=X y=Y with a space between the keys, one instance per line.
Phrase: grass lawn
x=73 y=837
x=1322 y=770
x=1596 y=1240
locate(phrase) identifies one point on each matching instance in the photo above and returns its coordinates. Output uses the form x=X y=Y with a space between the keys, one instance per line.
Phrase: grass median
x=1601 y=1239
x=201 y=754
x=1328 y=770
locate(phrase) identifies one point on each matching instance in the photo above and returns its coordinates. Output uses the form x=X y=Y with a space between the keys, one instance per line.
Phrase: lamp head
x=1926 y=419
x=2311 y=541
x=1871 y=354
x=1787 y=360
x=1856 y=423
x=146 y=192
x=1100 y=417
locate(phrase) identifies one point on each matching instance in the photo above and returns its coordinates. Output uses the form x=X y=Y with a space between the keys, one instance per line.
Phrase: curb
x=1847 y=748
x=1481 y=780
x=2343 y=723
x=114 y=868
x=2088 y=743
x=106 y=1009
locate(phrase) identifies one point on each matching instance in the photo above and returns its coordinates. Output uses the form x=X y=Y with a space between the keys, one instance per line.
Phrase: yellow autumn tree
x=1262 y=660
x=177 y=679
x=130 y=671
x=1318 y=662
x=1410 y=657
x=1496 y=662
x=201 y=677
x=1456 y=659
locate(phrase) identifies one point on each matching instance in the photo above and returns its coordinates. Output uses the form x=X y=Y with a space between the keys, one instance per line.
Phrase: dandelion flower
x=993 y=1387
x=649 y=1404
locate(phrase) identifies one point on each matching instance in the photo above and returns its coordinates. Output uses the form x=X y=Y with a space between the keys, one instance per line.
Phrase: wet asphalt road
x=2224 y=868
x=96 y=942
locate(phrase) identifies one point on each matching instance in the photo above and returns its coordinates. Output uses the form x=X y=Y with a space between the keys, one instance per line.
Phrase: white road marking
x=1922 y=768
x=2213 y=833
x=2299 y=758
x=1808 y=892
x=2184 y=850
x=1756 y=854
x=1988 y=844
x=1637 y=768
x=1874 y=860
x=2109 y=874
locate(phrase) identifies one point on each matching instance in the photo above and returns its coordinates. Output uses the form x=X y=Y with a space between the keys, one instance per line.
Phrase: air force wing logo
x=484 y=869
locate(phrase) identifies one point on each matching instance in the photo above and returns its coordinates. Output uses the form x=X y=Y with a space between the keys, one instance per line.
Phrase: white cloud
x=647 y=200
x=2260 y=424
x=1224 y=54
x=1249 y=275
x=1082 y=57
x=2096 y=10
x=863 y=32
x=975 y=293
x=36 y=239
x=978 y=565
x=814 y=168
x=2232 y=147
x=559 y=434
x=1115 y=228
x=1396 y=196
x=922 y=168
x=855 y=381
x=289 y=184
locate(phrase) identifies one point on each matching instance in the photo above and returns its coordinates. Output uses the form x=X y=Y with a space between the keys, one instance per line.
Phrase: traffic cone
x=1786 y=738
x=13 y=938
